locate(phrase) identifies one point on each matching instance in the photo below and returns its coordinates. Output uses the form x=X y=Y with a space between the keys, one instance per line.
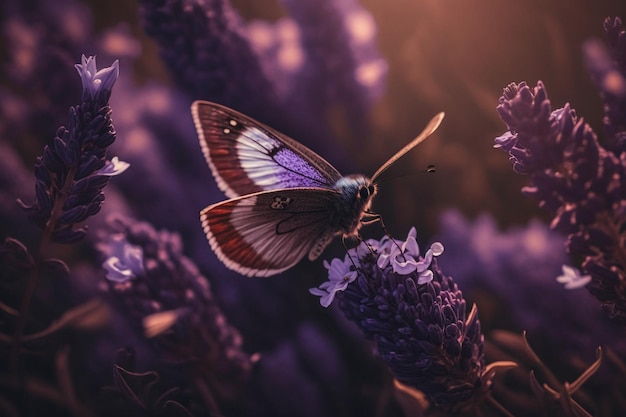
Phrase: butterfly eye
x=371 y=189
x=364 y=192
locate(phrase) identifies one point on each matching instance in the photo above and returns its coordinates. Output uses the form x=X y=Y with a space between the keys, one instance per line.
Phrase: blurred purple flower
x=517 y=269
x=124 y=261
x=41 y=39
x=607 y=66
x=572 y=278
x=286 y=74
x=73 y=170
x=581 y=183
x=422 y=331
x=170 y=302
x=204 y=44
x=342 y=65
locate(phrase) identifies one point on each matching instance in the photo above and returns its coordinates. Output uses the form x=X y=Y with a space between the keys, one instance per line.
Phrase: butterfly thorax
x=355 y=199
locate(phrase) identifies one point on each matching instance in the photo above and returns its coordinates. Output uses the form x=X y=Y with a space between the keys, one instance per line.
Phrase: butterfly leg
x=364 y=242
x=345 y=247
x=376 y=217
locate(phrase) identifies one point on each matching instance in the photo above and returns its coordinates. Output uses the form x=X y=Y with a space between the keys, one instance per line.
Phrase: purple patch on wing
x=298 y=172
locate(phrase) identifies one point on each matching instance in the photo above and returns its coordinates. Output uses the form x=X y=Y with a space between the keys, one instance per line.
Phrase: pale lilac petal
x=425 y=277
x=124 y=261
x=113 y=167
x=383 y=260
x=572 y=278
x=411 y=247
x=404 y=267
x=437 y=248
x=95 y=81
x=327 y=299
x=317 y=292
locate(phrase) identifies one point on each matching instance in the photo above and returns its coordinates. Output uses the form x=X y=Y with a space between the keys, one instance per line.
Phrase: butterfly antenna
x=382 y=179
x=428 y=130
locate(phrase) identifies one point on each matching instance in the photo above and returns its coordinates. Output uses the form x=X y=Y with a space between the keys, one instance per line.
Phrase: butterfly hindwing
x=267 y=232
x=247 y=156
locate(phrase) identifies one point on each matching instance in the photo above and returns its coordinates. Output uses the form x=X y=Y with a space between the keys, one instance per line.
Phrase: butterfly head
x=355 y=199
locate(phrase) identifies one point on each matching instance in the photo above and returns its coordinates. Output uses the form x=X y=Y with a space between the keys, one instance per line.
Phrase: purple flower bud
x=97 y=83
x=155 y=285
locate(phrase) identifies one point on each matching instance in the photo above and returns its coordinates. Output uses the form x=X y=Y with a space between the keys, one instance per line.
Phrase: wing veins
x=271 y=152
x=298 y=226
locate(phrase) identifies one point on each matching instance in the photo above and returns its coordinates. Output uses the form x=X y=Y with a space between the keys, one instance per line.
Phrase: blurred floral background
x=134 y=315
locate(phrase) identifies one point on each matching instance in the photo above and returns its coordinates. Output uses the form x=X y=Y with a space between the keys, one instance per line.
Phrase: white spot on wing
x=253 y=149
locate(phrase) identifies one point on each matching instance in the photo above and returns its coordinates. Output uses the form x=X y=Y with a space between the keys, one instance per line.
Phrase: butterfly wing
x=247 y=156
x=265 y=233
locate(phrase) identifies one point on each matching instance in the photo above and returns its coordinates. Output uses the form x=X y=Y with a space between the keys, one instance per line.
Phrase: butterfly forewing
x=265 y=233
x=247 y=157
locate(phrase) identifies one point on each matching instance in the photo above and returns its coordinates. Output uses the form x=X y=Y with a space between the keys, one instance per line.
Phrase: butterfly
x=285 y=201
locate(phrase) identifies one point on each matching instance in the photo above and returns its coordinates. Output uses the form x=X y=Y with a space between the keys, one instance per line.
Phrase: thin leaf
x=87 y=316
x=569 y=405
x=588 y=372
x=566 y=400
x=133 y=385
x=175 y=409
x=535 y=386
x=552 y=379
x=9 y=310
x=492 y=368
x=54 y=268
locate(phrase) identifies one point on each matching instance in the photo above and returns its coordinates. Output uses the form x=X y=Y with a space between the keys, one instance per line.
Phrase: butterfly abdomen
x=355 y=198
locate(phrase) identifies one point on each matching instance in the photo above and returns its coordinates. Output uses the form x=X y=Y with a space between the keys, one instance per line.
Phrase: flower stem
x=33 y=277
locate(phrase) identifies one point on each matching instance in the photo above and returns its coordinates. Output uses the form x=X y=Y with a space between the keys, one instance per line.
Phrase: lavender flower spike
x=576 y=179
x=163 y=294
x=73 y=169
x=403 y=257
x=418 y=320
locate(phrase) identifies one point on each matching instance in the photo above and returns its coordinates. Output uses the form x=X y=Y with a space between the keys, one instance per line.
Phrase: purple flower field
x=496 y=285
